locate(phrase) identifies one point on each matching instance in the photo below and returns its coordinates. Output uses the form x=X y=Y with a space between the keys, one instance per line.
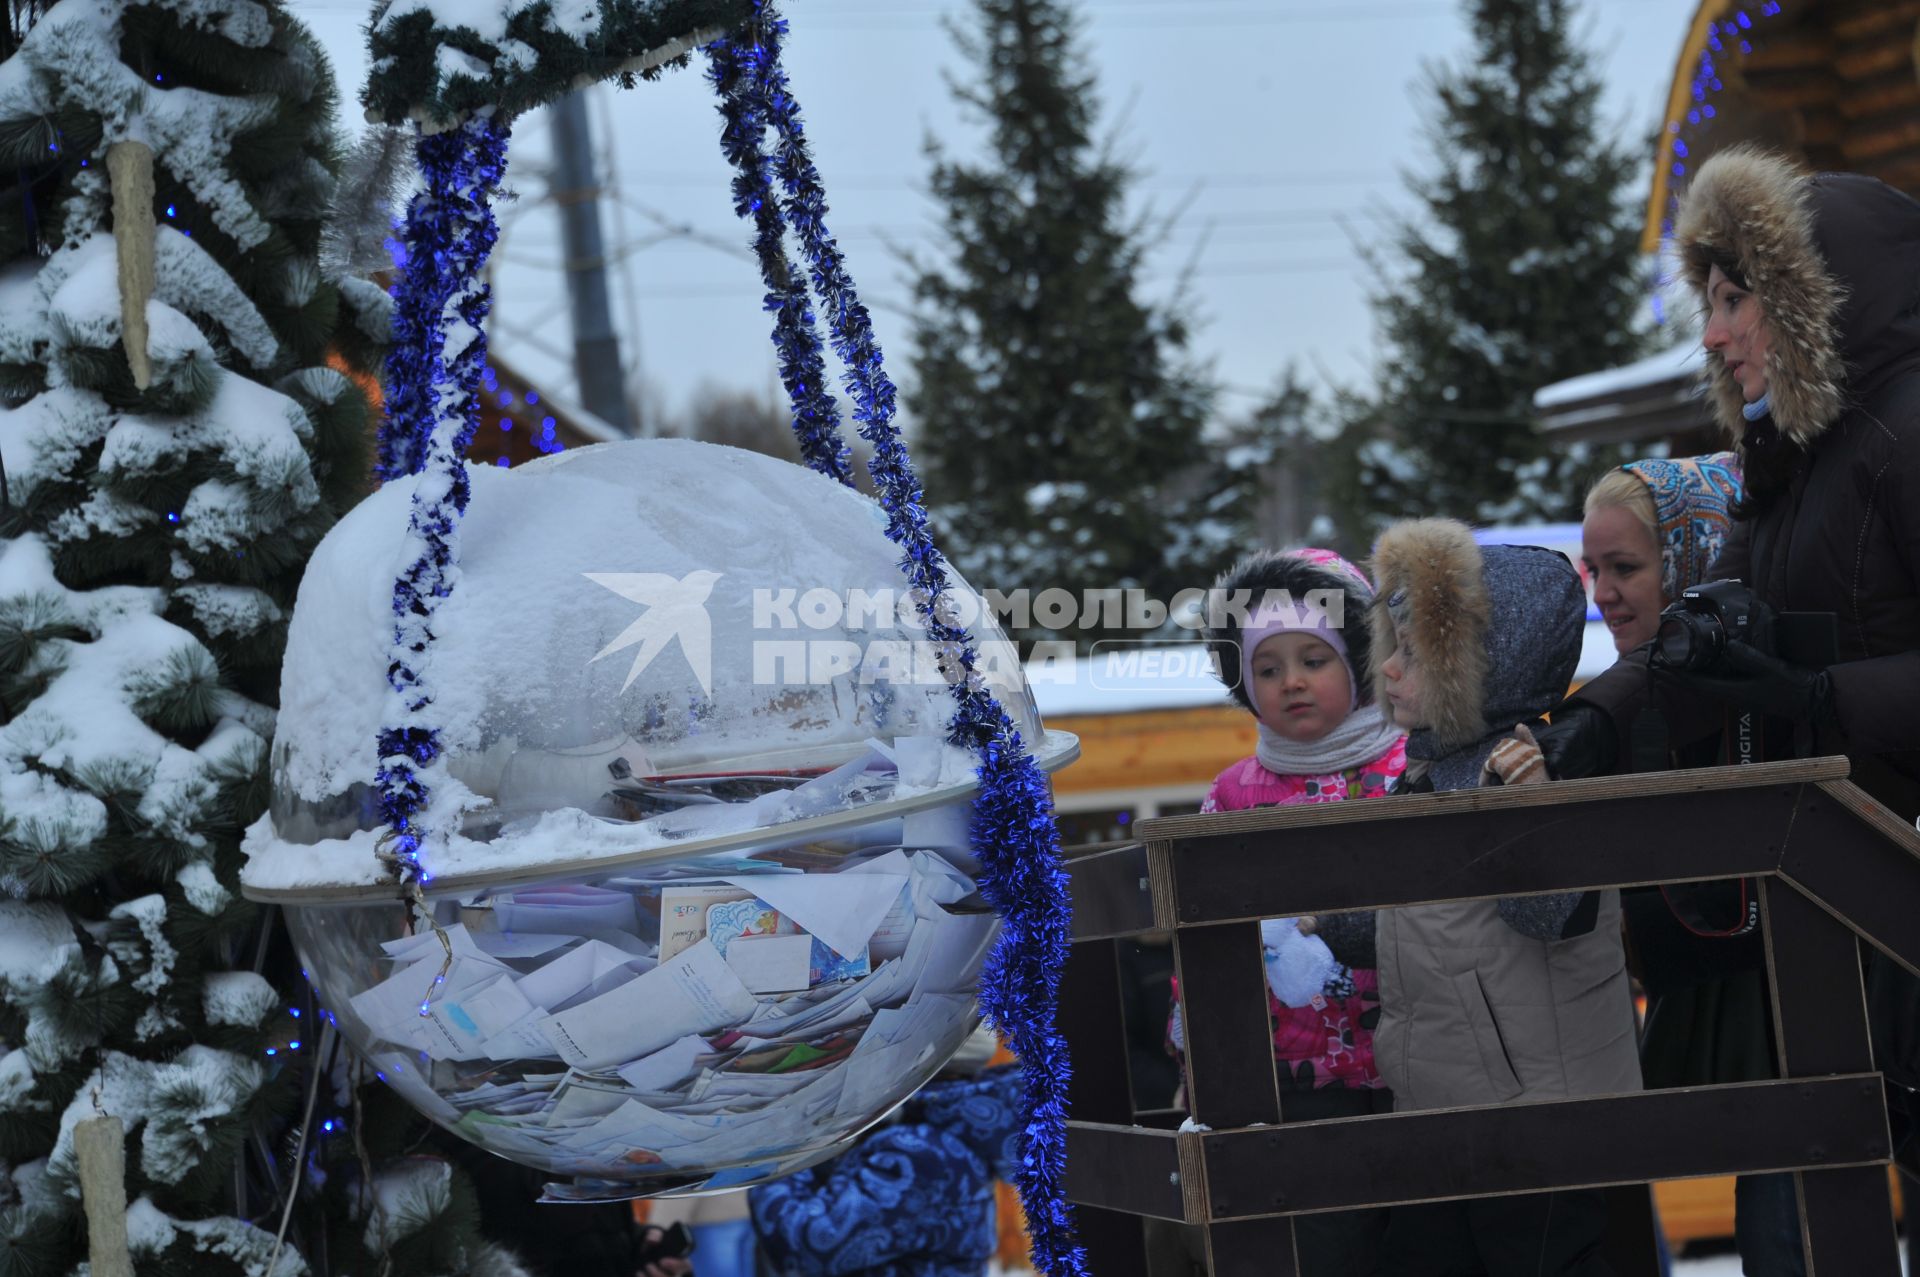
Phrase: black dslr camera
x=1696 y=628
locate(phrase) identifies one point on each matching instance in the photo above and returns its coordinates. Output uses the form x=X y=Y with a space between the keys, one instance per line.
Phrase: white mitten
x=1298 y=967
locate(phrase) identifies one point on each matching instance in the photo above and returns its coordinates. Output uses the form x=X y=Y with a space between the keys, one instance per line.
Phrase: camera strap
x=1733 y=897
x=1744 y=743
x=1734 y=902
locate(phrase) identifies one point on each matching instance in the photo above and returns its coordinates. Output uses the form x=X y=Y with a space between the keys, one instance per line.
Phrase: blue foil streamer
x=433 y=410
x=1013 y=831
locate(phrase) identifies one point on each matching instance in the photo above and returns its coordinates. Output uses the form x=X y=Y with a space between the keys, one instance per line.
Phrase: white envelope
x=583 y=1103
x=919 y=759
x=666 y=1066
x=386 y=1007
x=820 y=1020
x=828 y=792
x=842 y=909
x=772 y=964
x=571 y=973
x=520 y=944
x=958 y=946
x=869 y=1081
x=427 y=944
x=558 y=912
x=520 y=1041
x=470 y=1014
x=696 y=992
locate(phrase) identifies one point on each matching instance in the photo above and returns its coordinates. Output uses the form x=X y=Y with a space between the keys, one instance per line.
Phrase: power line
x=1233 y=12
x=1187 y=237
x=724 y=233
x=749 y=287
x=878 y=19
x=1132 y=15
x=895 y=182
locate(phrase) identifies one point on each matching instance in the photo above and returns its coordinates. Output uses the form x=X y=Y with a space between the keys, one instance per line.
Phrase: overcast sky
x=1277 y=128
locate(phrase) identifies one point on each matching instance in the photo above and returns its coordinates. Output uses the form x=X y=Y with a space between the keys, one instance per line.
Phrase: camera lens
x=1689 y=640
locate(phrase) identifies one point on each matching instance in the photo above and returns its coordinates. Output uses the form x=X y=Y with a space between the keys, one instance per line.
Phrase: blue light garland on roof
x=1013 y=831
x=1724 y=38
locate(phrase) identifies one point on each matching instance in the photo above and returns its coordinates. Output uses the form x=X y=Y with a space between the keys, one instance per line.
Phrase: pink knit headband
x=1291 y=616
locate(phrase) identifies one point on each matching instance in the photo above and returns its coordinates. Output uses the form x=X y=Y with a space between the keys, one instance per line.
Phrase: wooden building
x=518 y=421
x=1835 y=83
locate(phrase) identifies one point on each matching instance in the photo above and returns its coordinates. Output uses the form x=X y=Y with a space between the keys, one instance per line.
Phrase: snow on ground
x=1180 y=676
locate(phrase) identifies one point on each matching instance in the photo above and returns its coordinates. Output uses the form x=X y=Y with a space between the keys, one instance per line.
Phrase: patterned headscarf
x=1691 y=497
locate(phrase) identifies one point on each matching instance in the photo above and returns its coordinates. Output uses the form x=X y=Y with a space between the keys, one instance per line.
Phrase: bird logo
x=675 y=608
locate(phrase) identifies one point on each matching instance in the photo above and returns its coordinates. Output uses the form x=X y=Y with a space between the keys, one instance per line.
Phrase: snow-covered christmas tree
x=181 y=424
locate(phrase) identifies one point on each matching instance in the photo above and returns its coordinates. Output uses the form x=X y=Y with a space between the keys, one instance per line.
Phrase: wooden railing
x=1834 y=868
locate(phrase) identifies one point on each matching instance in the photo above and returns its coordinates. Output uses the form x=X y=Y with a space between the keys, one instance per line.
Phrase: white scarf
x=1360 y=738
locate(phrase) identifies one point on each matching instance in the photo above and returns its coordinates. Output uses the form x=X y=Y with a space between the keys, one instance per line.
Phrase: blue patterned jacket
x=913 y=1199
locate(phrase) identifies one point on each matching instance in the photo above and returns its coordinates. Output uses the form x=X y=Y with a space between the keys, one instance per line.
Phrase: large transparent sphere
x=709 y=911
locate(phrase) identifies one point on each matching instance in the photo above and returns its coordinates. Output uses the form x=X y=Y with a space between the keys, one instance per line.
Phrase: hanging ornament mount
x=460 y=88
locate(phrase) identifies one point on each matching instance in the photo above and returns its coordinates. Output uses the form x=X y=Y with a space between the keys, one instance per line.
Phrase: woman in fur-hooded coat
x=1831 y=521
x=1832 y=518
x=1488 y=1001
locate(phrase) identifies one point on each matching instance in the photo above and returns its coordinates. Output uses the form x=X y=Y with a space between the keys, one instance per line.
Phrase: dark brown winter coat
x=1834 y=260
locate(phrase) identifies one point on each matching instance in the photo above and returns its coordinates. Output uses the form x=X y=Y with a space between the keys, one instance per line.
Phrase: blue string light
x=1013 y=831
x=1700 y=112
x=433 y=410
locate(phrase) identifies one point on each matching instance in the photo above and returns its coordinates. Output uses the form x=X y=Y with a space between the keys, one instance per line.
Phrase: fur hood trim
x=1757 y=209
x=1428 y=572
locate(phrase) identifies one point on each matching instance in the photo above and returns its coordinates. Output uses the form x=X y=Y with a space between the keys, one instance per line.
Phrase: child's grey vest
x=1473 y=1012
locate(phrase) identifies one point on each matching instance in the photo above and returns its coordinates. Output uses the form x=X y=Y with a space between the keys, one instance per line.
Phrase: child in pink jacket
x=1298 y=661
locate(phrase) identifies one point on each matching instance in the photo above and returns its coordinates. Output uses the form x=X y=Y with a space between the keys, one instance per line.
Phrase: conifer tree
x=181 y=423
x=1521 y=270
x=1056 y=409
x=1273 y=464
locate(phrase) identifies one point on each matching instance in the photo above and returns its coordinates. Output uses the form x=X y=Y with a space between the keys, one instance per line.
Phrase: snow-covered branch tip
x=360 y=220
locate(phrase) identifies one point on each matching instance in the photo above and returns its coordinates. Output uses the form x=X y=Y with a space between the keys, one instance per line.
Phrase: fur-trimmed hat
x=1834 y=261
x=1752 y=213
x=1495 y=630
x=1298 y=573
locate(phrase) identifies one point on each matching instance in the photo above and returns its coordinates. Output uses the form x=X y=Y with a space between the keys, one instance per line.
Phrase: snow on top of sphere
x=681 y=606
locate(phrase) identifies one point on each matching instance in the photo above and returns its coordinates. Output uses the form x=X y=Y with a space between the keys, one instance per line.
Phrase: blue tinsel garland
x=803 y=369
x=1013 y=829
x=433 y=409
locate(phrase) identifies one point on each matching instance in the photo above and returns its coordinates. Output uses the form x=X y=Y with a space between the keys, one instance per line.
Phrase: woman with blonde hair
x=1652 y=529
